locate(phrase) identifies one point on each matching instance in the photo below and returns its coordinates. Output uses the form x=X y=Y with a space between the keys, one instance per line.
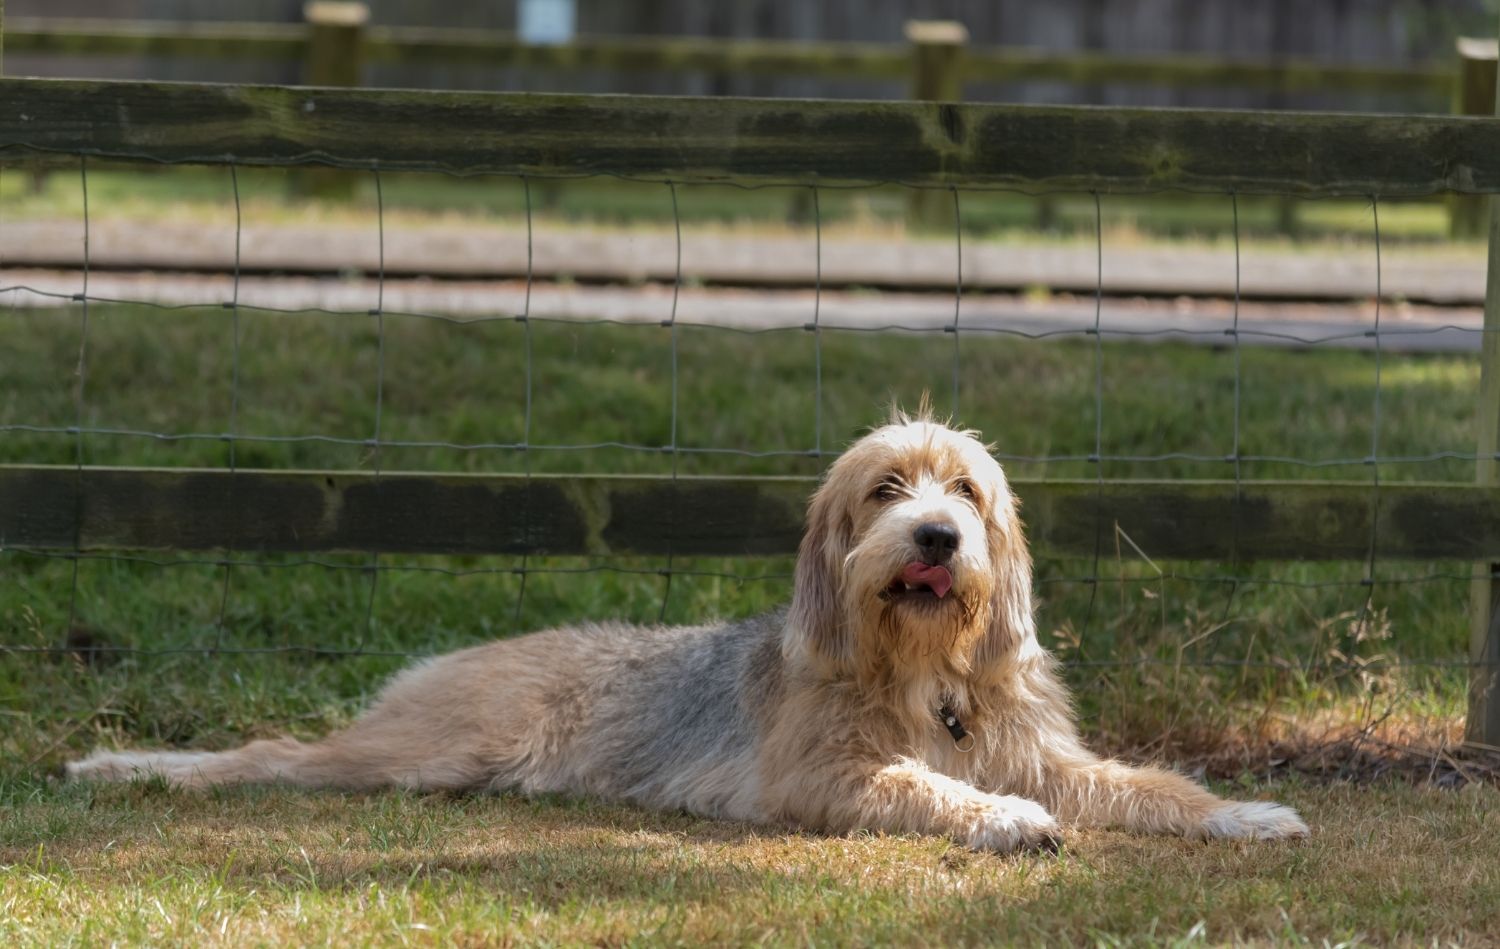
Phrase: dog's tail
x=347 y=760
x=451 y=724
x=283 y=760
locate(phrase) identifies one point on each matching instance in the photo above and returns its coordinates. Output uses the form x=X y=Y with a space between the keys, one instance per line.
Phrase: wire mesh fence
x=1078 y=590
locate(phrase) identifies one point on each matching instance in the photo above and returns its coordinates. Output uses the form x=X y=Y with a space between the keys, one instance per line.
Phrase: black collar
x=961 y=736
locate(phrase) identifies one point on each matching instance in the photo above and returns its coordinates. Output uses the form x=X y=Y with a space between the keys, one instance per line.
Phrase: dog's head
x=913 y=555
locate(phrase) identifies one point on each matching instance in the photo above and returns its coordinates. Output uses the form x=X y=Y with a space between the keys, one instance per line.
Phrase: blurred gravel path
x=1440 y=273
x=1404 y=327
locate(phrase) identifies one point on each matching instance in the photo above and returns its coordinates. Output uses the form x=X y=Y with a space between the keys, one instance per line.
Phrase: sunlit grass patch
x=139 y=863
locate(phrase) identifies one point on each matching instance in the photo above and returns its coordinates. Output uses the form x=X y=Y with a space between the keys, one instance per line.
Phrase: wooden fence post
x=1483 y=725
x=38 y=175
x=1473 y=94
x=937 y=63
x=335 y=42
x=335 y=57
x=1484 y=602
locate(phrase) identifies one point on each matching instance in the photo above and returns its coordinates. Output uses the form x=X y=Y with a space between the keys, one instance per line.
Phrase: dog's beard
x=925 y=630
x=903 y=632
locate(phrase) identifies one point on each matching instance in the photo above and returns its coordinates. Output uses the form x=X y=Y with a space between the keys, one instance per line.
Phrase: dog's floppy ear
x=1012 y=627
x=817 y=630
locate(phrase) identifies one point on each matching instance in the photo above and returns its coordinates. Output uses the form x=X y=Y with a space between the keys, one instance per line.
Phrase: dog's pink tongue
x=938 y=578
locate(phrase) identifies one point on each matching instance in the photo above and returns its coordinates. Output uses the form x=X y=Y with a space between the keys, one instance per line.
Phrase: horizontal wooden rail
x=756 y=140
x=93 y=36
x=1181 y=70
x=713 y=56
x=664 y=54
x=140 y=508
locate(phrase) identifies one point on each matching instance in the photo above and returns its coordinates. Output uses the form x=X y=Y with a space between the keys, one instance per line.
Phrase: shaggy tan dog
x=903 y=690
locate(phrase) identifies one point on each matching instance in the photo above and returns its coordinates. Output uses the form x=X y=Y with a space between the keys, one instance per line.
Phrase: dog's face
x=913 y=554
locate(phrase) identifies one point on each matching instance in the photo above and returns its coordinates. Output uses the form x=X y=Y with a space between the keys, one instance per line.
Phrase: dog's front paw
x=1013 y=824
x=1254 y=820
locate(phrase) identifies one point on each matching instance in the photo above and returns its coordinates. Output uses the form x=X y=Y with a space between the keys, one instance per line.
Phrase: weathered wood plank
x=760 y=140
x=602 y=515
x=93 y=36
x=714 y=56
x=664 y=54
x=1278 y=520
x=1185 y=70
x=350 y=511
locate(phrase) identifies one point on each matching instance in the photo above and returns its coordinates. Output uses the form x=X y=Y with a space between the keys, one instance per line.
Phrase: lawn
x=1239 y=671
x=135 y=865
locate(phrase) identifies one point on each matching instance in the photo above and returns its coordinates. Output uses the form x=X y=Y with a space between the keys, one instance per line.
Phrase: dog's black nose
x=937 y=542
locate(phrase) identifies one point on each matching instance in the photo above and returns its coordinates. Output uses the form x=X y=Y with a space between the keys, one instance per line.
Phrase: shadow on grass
x=551 y=849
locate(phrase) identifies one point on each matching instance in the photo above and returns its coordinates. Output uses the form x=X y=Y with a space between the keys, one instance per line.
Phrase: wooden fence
x=336 y=43
x=337 y=37
x=49 y=507
x=931 y=145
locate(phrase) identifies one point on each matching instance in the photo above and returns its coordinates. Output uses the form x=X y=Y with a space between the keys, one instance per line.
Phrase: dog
x=901 y=691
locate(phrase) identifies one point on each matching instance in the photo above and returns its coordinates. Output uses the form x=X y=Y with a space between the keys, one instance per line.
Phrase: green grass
x=466 y=384
x=140 y=864
x=411 y=198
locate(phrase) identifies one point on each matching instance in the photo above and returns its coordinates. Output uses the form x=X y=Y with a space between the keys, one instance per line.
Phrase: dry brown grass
x=1388 y=865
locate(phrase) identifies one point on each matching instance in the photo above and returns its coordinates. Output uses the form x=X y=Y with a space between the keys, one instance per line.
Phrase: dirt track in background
x=1439 y=274
x=1404 y=327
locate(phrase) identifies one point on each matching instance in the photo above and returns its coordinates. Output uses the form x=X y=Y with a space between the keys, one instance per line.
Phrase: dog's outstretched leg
x=1084 y=789
x=907 y=797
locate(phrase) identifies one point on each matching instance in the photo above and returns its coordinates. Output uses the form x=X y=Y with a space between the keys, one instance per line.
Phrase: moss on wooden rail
x=137 y=508
x=755 y=140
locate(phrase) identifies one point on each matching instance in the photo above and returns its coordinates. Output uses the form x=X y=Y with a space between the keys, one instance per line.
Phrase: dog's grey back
x=678 y=714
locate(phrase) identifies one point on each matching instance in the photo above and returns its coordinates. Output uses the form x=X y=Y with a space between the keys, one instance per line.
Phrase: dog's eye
x=885 y=491
x=964 y=488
